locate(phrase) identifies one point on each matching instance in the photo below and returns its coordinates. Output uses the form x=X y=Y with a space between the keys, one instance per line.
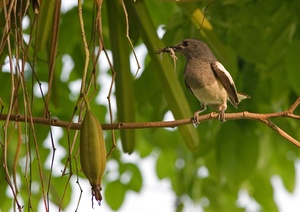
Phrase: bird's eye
x=185 y=43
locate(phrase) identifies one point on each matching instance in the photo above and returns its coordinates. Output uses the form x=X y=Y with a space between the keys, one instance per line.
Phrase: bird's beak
x=174 y=48
x=167 y=49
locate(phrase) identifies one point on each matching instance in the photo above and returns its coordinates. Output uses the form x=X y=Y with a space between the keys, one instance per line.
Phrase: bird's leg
x=196 y=121
x=222 y=108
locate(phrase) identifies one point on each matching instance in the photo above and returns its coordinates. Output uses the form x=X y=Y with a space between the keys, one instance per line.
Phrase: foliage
x=257 y=41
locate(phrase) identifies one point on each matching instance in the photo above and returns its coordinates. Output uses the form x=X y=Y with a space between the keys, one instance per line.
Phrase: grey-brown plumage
x=207 y=78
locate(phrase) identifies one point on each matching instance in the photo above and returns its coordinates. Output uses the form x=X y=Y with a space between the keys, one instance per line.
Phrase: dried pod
x=92 y=152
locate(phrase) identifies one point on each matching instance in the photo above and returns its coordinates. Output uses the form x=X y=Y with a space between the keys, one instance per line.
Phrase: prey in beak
x=172 y=50
x=167 y=49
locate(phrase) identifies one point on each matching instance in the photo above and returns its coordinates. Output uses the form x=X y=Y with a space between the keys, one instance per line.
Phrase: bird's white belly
x=212 y=94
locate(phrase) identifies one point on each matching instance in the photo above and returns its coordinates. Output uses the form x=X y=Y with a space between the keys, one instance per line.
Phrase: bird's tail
x=242 y=96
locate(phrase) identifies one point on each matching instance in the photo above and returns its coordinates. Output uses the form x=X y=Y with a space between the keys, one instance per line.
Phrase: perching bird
x=206 y=78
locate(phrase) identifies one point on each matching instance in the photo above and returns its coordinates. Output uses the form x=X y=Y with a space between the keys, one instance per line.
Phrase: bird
x=206 y=77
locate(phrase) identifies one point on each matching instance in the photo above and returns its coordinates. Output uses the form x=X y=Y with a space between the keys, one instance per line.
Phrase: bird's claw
x=196 y=121
x=221 y=116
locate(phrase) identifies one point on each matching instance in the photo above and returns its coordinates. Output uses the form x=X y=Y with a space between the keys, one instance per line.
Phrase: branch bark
x=264 y=118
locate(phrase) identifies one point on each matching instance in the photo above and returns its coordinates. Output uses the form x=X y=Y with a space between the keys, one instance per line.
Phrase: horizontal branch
x=264 y=118
x=156 y=124
x=137 y=125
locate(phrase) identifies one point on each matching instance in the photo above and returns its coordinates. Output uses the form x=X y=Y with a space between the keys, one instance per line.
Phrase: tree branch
x=264 y=118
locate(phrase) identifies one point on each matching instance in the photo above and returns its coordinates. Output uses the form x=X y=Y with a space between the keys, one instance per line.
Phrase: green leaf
x=114 y=194
x=172 y=89
x=136 y=181
x=284 y=154
x=262 y=191
x=221 y=198
x=165 y=165
x=45 y=24
x=124 y=79
x=144 y=148
x=57 y=191
x=4 y=188
x=237 y=152
x=292 y=63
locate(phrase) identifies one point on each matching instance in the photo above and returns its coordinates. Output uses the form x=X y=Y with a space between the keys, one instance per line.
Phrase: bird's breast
x=214 y=93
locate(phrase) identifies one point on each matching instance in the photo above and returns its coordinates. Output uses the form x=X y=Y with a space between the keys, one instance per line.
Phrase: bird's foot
x=221 y=116
x=196 y=120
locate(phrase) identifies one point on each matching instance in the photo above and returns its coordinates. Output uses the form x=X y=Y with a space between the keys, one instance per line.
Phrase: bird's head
x=192 y=48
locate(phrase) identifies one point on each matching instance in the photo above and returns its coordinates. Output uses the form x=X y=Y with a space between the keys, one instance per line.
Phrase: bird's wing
x=188 y=87
x=225 y=78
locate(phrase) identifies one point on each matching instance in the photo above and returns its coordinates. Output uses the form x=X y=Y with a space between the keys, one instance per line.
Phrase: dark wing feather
x=223 y=75
x=188 y=87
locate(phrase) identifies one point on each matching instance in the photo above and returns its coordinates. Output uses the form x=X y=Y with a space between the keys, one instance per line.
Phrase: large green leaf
x=114 y=194
x=124 y=79
x=164 y=164
x=135 y=182
x=237 y=153
x=292 y=63
x=171 y=87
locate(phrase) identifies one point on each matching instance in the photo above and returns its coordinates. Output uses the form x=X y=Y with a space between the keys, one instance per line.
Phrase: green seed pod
x=92 y=152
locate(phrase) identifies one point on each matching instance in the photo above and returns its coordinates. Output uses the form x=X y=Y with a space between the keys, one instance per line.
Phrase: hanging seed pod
x=92 y=152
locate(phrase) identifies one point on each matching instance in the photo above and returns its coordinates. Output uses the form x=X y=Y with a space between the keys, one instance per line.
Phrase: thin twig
x=5 y=127
x=294 y=106
x=53 y=50
x=129 y=40
x=204 y=13
x=86 y=48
